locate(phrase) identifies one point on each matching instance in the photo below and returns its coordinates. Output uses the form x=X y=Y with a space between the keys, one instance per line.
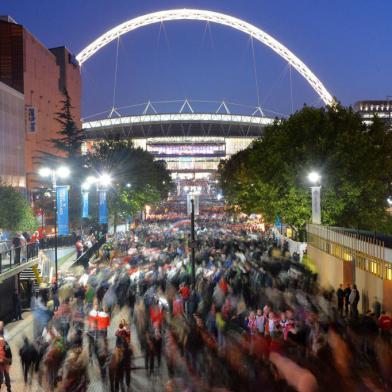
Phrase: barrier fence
x=11 y=257
x=367 y=252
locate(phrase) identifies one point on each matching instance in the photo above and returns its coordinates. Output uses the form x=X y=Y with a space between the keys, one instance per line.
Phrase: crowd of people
x=250 y=320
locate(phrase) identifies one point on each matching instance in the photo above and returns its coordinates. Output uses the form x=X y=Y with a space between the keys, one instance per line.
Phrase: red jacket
x=185 y=292
x=156 y=315
x=103 y=321
x=93 y=320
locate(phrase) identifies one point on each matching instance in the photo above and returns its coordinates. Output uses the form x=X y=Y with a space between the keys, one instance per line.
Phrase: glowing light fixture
x=314 y=177
x=63 y=172
x=105 y=179
x=44 y=172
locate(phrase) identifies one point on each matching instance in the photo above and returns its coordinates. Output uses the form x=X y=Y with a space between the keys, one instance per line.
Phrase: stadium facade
x=192 y=144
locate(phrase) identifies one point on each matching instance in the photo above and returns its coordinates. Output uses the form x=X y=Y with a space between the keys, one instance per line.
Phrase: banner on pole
x=62 y=209
x=85 y=204
x=103 y=208
x=316 y=210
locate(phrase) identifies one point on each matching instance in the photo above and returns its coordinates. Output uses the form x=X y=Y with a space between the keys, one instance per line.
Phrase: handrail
x=14 y=257
x=84 y=258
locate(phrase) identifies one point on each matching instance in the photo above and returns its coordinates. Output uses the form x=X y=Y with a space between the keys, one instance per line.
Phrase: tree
x=354 y=159
x=15 y=212
x=69 y=144
x=71 y=137
x=137 y=178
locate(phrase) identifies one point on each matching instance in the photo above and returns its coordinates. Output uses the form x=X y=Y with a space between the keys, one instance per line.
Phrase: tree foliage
x=353 y=159
x=70 y=136
x=138 y=179
x=15 y=212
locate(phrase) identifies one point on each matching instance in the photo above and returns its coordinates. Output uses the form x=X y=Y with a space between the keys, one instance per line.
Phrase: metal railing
x=11 y=257
x=368 y=253
x=63 y=240
x=85 y=257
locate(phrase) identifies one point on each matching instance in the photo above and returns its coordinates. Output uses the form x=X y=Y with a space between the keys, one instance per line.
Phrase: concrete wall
x=45 y=74
x=41 y=75
x=333 y=271
x=369 y=286
x=329 y=268
x=12 y=124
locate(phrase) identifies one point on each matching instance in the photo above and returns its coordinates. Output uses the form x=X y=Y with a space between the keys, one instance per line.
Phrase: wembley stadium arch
x=191 y=143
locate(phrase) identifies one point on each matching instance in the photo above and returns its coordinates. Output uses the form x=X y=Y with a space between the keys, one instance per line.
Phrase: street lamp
x=315 y=179
x=60 y=172
x=104 y=180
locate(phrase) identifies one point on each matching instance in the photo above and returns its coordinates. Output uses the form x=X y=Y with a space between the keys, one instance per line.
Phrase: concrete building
x=369 y=108
x=41 y=75
x=12 y=137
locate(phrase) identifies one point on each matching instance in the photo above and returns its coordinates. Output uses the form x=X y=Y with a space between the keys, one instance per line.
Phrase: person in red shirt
x=385 y=323
x=156 y=315
x=79 y=247
x=92 y=328
x=103 y=322
x=123 y=332
x=184 y=293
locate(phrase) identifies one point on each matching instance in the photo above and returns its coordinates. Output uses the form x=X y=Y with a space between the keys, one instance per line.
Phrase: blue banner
x=103 y=208
x=85 y=204
x=62 y=209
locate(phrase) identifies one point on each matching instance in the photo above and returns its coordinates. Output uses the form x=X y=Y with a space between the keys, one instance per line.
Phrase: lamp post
x=315 y=179
x=192 y=210
x=193 y=244
x=61 y=172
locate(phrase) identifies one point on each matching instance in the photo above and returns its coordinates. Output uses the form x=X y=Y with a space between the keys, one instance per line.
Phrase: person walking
x=354 y=299
x=5 y=363
x=103 y=323
x=17 y=306
x=347 y=292
x=340 y=296
x=29 y=357
x=16 y=242
x=78 y=247
x=92 y=329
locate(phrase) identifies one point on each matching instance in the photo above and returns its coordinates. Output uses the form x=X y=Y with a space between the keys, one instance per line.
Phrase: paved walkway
x=139 y=380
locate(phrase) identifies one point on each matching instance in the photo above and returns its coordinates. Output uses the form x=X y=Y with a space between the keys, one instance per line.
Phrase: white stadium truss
x=179 y=117
x=213 y=17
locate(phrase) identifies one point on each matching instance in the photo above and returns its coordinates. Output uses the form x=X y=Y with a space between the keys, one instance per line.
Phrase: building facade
x=12 y=137
x=40 y=75
x=191 y=144
x=381 y=108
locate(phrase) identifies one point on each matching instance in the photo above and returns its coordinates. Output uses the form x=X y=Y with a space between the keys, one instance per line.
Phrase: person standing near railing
x=17 y=306
x=79 y=247
x=16 y=242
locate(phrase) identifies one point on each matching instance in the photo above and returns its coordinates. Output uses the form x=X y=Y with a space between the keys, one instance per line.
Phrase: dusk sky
x=347 y=44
